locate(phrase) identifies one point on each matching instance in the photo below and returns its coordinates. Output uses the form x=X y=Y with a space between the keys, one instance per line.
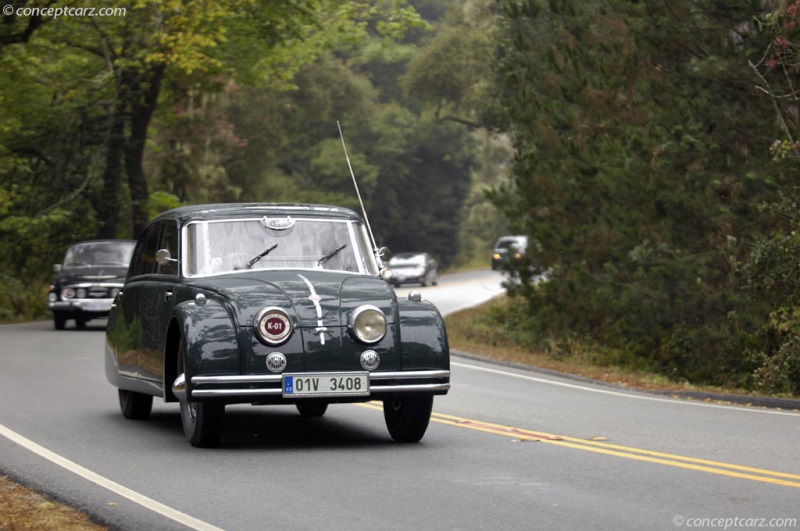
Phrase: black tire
x=407 y=418
x=59 y=321
x=203 y=422
x=80 y=323
x=135 y=406
x=312 y=408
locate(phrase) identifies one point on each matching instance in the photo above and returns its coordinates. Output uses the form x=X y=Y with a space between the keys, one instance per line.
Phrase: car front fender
x=423 y=338
x=209 y=333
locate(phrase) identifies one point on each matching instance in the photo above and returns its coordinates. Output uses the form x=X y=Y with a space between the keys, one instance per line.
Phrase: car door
x=147 y=298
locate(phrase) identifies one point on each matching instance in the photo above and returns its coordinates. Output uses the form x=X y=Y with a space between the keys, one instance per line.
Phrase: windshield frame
x=357 y=242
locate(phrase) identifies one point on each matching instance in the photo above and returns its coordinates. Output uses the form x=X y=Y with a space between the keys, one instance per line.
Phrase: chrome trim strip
x=276 y=378
x=411 y=387
x=237 y=379
x=380 y=389
x=408 y=375
x=210 y=393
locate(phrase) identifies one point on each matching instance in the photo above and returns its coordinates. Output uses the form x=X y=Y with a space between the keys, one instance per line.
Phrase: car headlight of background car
x=68 y=293
x=367 y=324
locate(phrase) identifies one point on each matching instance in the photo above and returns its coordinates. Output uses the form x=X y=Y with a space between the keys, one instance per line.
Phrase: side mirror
x=163 y=256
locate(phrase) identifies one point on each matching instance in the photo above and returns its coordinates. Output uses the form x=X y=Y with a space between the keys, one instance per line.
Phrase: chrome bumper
x=269 y=385
x=83 y=305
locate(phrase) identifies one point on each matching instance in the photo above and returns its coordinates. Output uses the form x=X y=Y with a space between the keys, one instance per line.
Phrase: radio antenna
x=353 y=175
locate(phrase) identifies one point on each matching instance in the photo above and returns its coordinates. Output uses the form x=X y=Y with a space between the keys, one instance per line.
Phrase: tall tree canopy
x=109 y=119
x=641 y=162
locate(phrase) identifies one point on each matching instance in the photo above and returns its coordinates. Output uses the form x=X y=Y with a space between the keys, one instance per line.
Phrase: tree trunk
x=108 y=209
x=142 y=106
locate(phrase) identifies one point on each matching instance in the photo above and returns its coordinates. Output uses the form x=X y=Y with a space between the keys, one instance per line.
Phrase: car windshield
x=512 y=243
x=224 y=246
x=99 y=254
x=407 y=260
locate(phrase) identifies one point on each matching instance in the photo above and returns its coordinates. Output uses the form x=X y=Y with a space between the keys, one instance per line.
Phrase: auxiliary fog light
x=370 y=360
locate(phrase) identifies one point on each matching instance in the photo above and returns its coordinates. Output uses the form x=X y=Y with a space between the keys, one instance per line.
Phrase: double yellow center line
x=600 y=447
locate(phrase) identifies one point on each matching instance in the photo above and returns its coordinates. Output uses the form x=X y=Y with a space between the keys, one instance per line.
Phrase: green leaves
x=640 y=164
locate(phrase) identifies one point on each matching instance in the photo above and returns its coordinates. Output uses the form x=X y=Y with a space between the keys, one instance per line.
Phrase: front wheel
x=59 y=321
x=203 y=422
x=407 y=417
x=135 y=406
x=312 y=409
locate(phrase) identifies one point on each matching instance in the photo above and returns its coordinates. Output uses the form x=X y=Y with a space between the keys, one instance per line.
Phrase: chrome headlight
x=80 y=293
x=273 y=325
x=367 y=323
x=68 y=293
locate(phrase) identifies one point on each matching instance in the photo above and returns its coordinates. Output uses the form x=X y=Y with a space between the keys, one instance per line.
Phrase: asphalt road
x=507 y=449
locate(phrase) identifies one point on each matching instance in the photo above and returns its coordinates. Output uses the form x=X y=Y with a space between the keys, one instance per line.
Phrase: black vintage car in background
x=87 y=282
x=270 y=304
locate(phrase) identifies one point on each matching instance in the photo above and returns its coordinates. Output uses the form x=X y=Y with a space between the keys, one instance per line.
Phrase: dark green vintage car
x=270 y=304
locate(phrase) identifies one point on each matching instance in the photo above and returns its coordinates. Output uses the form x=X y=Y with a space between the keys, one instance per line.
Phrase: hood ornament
x=321 y=329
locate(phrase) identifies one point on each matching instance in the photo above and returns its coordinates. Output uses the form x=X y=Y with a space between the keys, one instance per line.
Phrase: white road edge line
x=621 y=394
x=106 y=483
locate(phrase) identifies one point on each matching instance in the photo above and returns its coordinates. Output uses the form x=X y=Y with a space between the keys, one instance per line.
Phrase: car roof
x=224 y=210
x=519 y=237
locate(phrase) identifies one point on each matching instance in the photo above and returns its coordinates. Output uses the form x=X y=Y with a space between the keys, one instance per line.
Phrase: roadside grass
x=24 y=509
x=474 y=331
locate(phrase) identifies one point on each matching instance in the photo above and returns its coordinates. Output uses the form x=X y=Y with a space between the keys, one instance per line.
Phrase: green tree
x=638 y=171
x=84 y=118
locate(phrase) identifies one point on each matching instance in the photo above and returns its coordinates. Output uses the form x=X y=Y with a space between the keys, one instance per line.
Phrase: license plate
x=325 y=384
x=97 y=306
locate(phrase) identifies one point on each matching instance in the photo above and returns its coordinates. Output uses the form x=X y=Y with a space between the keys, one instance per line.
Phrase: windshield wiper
x=260 y=256
x=330 y=255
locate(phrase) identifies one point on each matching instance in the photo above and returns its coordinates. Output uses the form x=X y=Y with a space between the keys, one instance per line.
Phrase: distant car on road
x=508 y=248
x=413 y=268
x=87 y=282
x=265 y=303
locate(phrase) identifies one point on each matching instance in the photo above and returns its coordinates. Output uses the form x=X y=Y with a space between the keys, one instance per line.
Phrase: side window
x=145 y=263
x=169 y=241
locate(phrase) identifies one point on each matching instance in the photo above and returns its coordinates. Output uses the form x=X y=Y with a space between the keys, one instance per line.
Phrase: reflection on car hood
x=92 y=274
x=306 y=295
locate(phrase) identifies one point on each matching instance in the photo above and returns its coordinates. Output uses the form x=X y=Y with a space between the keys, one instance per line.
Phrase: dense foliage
x=643 y=169
x=108 y=120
